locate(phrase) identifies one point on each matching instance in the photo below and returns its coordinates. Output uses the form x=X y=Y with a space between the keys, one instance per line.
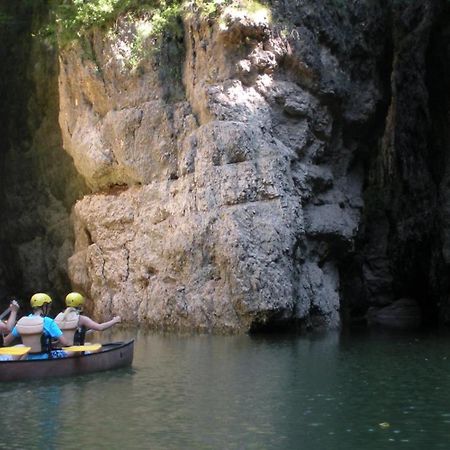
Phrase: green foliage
x=155 y=23
x=138 y=48
x=253 y=6
x=78 y=16
x=75 y=18
x=209 y=8
x=212 y=8
x=166 y=17
x=159 y=25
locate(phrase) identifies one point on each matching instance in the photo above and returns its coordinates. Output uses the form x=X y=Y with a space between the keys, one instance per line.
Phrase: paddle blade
x=16 y=351
x=83 y=348
x=4 y=313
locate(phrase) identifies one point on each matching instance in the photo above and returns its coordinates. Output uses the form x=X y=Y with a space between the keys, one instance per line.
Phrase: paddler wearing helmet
x=75 y=303
x=38 y=320
x=6 y=327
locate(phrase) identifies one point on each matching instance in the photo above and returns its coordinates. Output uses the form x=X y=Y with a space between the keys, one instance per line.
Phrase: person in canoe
x=7 y=327
x=74 y=324
x=37 y=330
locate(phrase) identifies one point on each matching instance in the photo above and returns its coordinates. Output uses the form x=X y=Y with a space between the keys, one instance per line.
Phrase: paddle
x=17 y=351
x=83 y=348
x=5 y=313
x=7 y=310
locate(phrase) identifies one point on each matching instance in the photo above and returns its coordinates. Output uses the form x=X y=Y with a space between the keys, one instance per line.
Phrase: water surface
x=365 y=391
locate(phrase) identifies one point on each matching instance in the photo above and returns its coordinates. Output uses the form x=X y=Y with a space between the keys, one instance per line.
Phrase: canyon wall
x=265 y=167
x=39 y=183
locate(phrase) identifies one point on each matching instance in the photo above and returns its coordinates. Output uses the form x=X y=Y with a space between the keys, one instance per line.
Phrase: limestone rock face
x=235 y=199
x=232 y=203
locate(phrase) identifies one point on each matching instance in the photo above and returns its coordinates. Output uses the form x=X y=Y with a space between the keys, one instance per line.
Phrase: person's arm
x=92 y=325
x=8 y=340
x=13 y=307
x=56 y=333
x=64 y=341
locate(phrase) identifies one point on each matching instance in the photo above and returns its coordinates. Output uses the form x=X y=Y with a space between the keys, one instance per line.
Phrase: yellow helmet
x=39 y=299
x=74 y=299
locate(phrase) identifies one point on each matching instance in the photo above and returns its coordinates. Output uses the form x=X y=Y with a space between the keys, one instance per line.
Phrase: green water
x=273 y=392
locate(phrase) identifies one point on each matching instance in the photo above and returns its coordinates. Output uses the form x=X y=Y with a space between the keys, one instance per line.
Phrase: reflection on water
x=244 y=392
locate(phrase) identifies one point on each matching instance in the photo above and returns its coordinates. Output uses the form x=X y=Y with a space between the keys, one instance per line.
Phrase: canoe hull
x=112 y=356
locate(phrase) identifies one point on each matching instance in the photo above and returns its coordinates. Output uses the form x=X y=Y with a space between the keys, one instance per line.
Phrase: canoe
x=112 y=356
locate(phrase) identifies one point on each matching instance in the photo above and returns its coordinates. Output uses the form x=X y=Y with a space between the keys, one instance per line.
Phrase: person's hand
x=14 y=306
x=117 y=319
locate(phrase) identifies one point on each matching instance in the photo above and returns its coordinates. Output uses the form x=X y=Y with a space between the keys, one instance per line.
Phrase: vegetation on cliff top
x=73 y=19
x=155 y=26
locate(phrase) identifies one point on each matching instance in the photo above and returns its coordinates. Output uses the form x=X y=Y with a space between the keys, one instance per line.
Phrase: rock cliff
x=39 y=184
x=272 y=165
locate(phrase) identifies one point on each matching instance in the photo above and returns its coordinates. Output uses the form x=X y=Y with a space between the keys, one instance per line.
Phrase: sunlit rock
x=232 y=205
